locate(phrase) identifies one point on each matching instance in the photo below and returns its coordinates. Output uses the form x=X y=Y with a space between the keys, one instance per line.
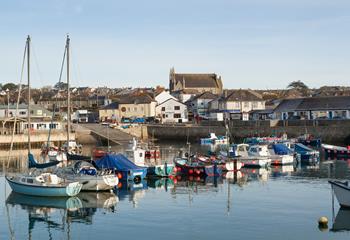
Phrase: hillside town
x=190 y=98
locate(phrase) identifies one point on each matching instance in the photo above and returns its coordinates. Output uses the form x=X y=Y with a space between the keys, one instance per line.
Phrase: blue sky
x=251 y=43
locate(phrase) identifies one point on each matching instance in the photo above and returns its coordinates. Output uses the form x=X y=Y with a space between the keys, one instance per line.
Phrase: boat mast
x=28 y=107
x=68 y=93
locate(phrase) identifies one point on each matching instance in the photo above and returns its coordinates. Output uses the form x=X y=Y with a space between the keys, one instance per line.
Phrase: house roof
x=243 y=95
x=135 y=99
x=205 y=95
x=204 y=80
x=314 y=103
x=113 y=105
x=170 y=100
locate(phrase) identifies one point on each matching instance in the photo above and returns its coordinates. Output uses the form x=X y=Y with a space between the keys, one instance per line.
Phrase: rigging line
x=56 y=100
x=17 y=104
x=37 y=64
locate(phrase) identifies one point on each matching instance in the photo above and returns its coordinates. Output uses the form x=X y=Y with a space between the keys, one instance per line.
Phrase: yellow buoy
x=323 y=223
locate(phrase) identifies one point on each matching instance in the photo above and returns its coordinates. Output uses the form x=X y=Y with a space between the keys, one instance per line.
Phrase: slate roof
x=314 y=103
x=202 y=80
x=113 y=105
x=135 y=99
x=205 y=95
x=243 y=95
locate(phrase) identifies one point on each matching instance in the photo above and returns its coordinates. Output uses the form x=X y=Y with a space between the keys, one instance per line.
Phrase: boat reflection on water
x=255 y=174
x=281 y=171
x=161 y=183
x=341 y=221
x=78 y=209
x=183 y=184
x=132 y=191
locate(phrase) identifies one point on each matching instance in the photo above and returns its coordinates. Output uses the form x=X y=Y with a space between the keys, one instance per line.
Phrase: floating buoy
x=190 y=171
x=119 y=175
x=323 y=223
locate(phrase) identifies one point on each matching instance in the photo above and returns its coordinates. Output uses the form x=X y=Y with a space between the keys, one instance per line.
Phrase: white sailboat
x=44 y=183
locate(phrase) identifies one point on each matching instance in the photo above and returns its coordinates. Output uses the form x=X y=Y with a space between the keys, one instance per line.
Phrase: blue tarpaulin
x=281 y=149
x=301 y=148
x=116 y=161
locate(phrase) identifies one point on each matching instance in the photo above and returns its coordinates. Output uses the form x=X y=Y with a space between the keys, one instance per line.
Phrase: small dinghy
x=342 y=192
x=45 y=185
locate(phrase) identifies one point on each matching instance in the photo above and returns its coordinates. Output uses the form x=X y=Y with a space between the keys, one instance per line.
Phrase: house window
x=123 y=109
x=177 y=115
x=135 y=109
x=22 y=113
x=255 y=104
x=246 y=104
x=176 y=107
x=163 y=109
x=128 y=109
x=163 y=115
x=237 y=104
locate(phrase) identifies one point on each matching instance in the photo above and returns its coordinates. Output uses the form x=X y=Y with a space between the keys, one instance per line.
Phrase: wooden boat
x=336 y=152
x=186 y=167
x=342 y=192
x=45 y=184
x=91 y=178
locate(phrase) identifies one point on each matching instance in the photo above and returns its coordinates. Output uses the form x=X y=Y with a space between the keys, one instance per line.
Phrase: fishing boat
x=336 y=152
x=309 y=140
x=280 y=154
x=91 y=178
x=187 y=167
x=155 y=167
x=45 y=185
x=122 y=166
x=305 y=154
x=258 y=156
x=341 y=190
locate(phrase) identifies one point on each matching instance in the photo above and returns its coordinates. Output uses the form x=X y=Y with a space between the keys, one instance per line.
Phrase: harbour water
x=276 y=203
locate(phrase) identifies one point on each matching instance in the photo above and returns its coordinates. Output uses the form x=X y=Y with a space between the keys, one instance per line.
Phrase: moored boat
x=333 y=151
x=280 y=154
x=45 y=184
x=342 y=192
x=306 y=155
x=187 y=167
x=91 y=178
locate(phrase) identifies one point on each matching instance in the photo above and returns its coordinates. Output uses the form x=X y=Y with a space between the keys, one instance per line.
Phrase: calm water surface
x=279 y=203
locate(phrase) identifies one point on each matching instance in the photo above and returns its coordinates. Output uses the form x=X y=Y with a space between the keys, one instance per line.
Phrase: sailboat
x=44 y=183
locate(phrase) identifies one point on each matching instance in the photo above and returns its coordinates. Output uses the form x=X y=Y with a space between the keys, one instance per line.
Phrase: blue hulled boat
x=306 y=155
x=120 y=164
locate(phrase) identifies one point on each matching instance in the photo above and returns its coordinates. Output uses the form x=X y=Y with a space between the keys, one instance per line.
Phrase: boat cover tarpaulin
x=281 y=149
x=299 y=148
x=33 y=164
x=116 y=161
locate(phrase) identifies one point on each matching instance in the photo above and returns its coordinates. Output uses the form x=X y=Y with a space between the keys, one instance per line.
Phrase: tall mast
x=28 y=107
x=68 y=93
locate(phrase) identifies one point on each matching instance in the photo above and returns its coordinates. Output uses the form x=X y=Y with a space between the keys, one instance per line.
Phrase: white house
x=200 y=103
x=239 y=103
x=163 y=96
x=172 y=111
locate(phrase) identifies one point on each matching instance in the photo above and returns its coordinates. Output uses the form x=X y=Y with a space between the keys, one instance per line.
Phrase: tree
x=298 y=85
x=9 y=86
x=60 y=86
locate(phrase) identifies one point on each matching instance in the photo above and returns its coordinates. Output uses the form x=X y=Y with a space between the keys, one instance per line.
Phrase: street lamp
x=8 y=101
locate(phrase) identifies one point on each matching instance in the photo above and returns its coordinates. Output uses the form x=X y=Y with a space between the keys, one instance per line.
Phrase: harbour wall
x=331 y=131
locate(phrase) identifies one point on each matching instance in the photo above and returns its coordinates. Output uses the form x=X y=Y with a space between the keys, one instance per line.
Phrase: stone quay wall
x=331 y=131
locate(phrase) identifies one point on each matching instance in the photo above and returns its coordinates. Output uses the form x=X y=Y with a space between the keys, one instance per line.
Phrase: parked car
x=126 y=120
